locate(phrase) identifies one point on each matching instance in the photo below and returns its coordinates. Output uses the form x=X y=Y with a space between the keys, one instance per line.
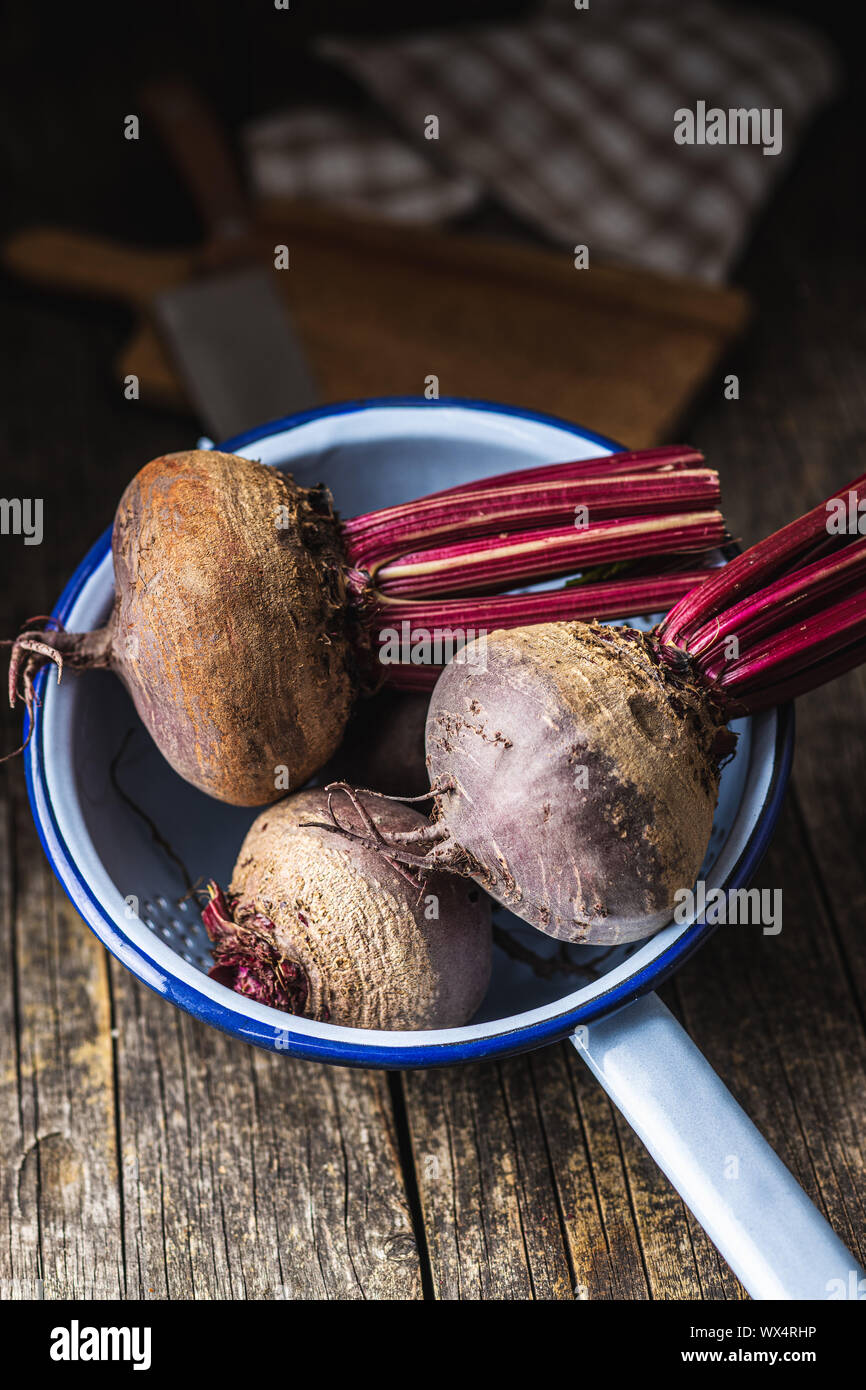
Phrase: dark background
x=66 y=77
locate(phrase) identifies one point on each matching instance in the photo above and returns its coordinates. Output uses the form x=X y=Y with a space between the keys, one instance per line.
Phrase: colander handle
x=751 y=1206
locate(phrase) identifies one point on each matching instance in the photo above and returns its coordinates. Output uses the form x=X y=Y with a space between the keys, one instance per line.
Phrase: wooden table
x=144 y=1155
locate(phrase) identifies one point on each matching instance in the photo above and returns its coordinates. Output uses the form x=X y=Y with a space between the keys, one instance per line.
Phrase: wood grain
x=250 y=1175
x=61 y=1197
x=622 y=350
x=158 y=1159
x=490 y=1212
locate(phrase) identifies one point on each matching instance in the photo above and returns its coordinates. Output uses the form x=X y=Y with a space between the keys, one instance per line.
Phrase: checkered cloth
x=568 y=119
x=353 y=162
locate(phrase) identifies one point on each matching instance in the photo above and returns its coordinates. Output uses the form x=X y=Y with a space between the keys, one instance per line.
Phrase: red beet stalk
x=778 y=621
x=550 y=494
x=500 y=502
x=401 y=623
x=652 y=513
x=526 y=505
x=521 y=557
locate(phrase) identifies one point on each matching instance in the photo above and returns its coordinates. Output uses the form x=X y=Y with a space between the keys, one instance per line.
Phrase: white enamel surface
x=752 y=1208
x=369 y=458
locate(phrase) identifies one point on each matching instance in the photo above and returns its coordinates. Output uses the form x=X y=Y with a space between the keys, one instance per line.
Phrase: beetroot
x=247 y=618
x=321 y=927
x=202 y=633
x=575 y=767
x=581 y=777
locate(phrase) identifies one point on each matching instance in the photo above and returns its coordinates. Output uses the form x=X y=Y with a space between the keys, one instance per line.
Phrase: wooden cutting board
x=380 y=309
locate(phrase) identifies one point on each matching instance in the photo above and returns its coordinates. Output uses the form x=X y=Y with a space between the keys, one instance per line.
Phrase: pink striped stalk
x=403 y=676
x=810 y=678
x=769 y=558
x=796 y=603
x=612 y=598
x=782 y=654
x=447 y=561
x=427 y=561
x=493 y=562
x=617 y=598
x=794 y=595
x=371 y=540
x=503 y=498
x=798 y=620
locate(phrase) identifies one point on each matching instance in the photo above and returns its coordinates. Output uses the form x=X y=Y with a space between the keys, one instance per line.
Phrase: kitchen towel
x=352 y=160
x=569 y=119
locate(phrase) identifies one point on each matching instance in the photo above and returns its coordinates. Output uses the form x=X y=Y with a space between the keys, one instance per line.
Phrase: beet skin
x=229 y=623
x=318 y=924
x=578 y=778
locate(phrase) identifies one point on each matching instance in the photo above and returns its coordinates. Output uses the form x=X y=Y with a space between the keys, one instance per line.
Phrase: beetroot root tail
x=392 y=845
x=32 y=644
x=35 y=646
x=22 y=669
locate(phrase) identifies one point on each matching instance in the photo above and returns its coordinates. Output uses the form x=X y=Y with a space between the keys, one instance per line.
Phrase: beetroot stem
x=411 y=678
x=616 y=598
x=489 y=563
x=790 y=652
x=619 y=598
x=521 y=506
x=810 y=678
x=753 y=568
x=795 y=595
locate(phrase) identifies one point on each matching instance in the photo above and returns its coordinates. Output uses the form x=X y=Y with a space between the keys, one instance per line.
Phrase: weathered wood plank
x=532 y=1187
x=250 y=1175
x=776 y=1017
x=586 y=1159
x=61 y=1201
x=490 y=1213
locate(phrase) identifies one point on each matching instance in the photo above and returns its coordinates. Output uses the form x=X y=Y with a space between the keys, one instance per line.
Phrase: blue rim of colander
x=502 y=1043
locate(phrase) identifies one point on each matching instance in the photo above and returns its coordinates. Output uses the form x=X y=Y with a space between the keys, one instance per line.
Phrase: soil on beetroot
x=319 y=925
